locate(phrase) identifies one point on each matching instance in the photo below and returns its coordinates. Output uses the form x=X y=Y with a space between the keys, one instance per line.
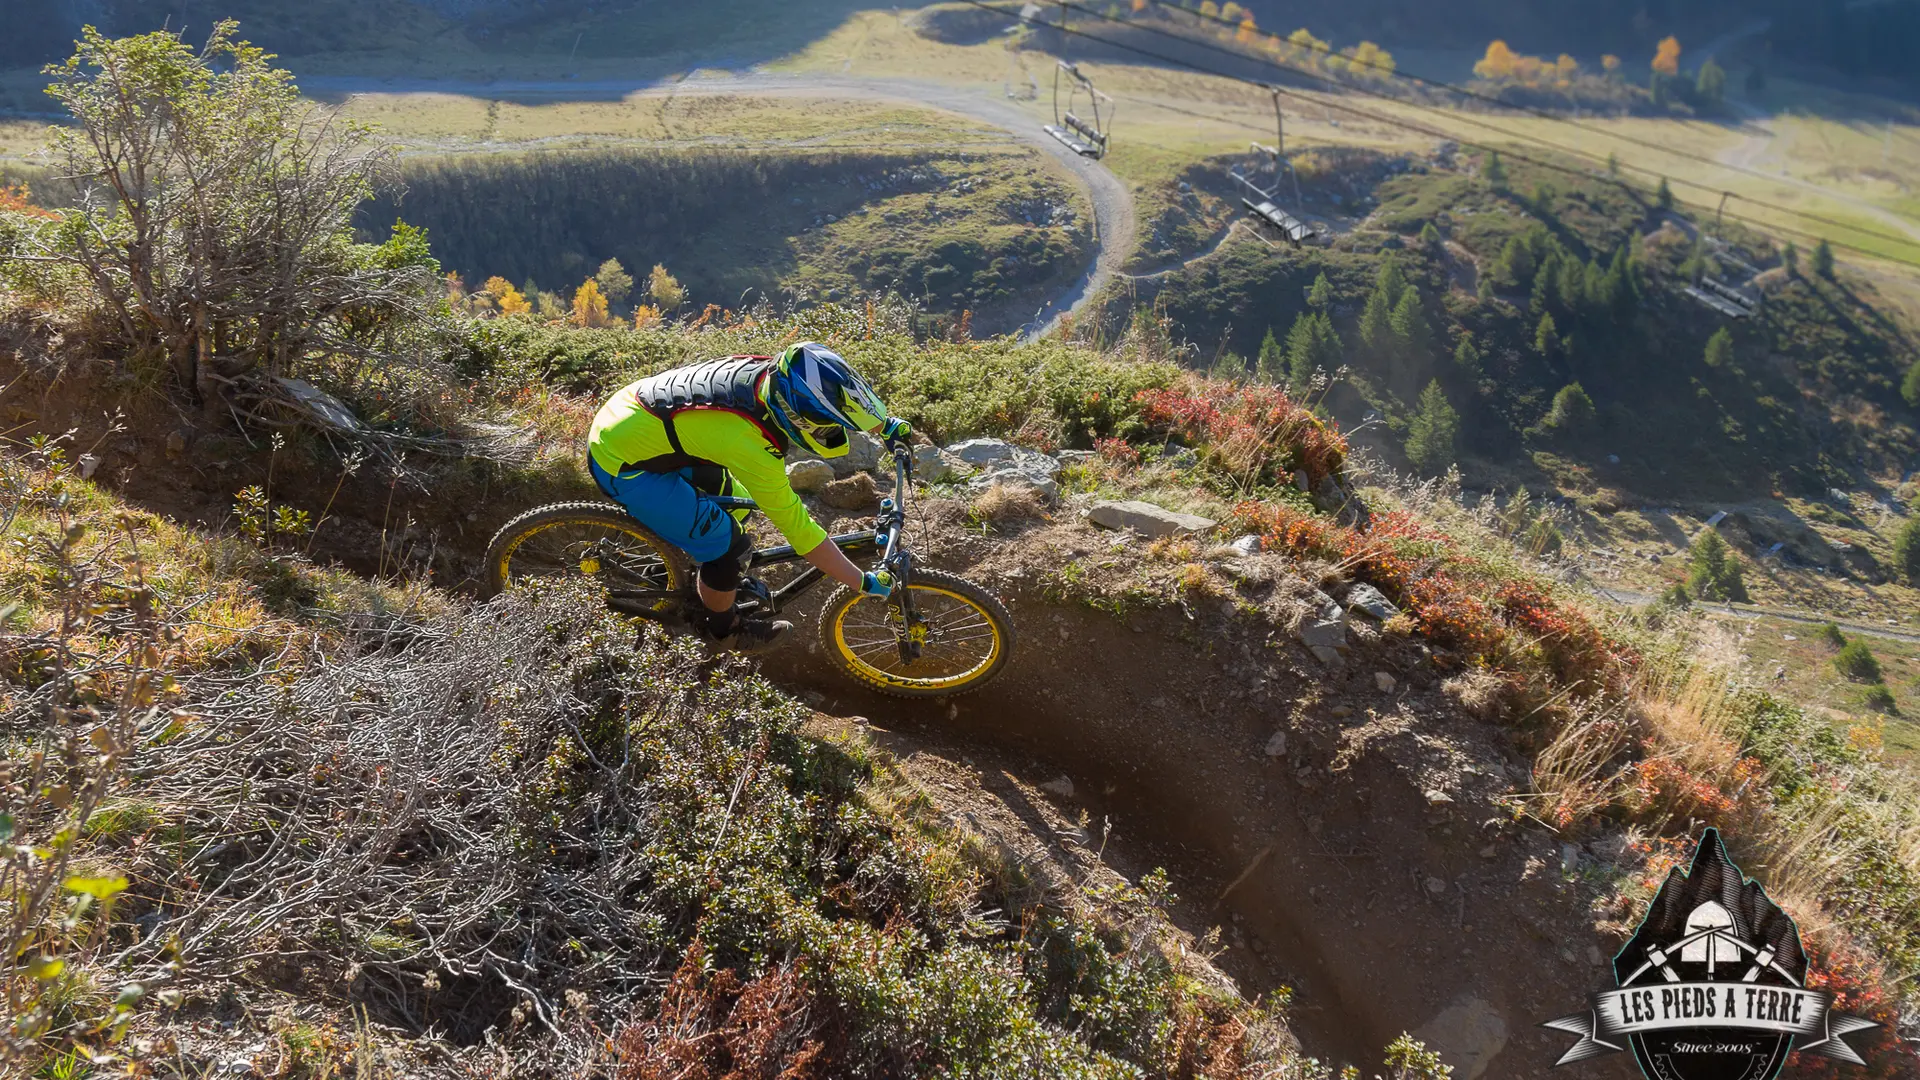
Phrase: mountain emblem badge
x=1712 y=986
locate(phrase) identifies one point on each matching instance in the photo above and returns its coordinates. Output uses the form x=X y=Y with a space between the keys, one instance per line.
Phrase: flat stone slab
x=1147 y=519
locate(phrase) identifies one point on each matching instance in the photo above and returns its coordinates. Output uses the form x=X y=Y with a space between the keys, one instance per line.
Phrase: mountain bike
x=935 y=635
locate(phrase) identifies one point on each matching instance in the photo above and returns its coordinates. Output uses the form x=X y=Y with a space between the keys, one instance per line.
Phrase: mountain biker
x=664 y=446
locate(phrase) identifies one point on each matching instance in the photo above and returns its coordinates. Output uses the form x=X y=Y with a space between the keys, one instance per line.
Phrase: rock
x=321 y=407
x=1327 y=628
x=809 y=476
x=1436 y=797
x=1384 y=681
x=933 y=465
x=1366 y=598
x=1491 y=851
x=1245 y=546
x=1277 y=746
x=1327 y=655
x=1071 y=458
x=864 y=452
x=176 y=443
x=1300 y=480
x=1179 y=458
x=1026 y=468
x=1059 y=785
x=1147 y=519
x=1468 y=1034
x=1340 y=712
x=1839 y=498
x=980 y=452
x=1595 y=956
x=1321 y=634
x=1436 y=886
x=856 y=492
x=88 y=464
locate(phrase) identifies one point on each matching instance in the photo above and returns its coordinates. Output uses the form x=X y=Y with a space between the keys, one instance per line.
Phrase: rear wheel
x=964 y=631
x=587 y=539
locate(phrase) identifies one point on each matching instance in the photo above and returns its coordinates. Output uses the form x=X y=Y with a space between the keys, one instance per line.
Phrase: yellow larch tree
x=508 y=299
x=589 y=305
x=1666 y=58
x=1498 y=64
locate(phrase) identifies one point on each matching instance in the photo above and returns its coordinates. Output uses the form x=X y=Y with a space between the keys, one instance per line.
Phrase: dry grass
x=1006 y=504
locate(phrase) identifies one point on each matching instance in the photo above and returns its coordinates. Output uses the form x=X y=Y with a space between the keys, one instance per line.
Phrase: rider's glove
x=896 y=431
x=877 y=583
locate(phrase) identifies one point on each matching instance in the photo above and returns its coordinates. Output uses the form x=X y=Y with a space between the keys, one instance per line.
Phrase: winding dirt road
x=1113 y=211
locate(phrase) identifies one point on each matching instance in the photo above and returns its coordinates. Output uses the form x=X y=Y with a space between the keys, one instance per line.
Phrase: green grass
x=1806 y=674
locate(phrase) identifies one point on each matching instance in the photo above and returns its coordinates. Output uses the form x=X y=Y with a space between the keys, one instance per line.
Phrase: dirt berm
x=1346 y=836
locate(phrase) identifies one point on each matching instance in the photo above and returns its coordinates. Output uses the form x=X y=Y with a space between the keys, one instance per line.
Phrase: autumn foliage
x=1256 y=434
x=1501 y=64
x=711 y=1026
x=14 y=199
x=1666 y=58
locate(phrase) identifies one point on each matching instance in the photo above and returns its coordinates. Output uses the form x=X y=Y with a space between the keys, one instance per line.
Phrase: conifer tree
x=1271 y=363
x=1496 y=172
x=1720 y=348
x=1321 y=295
x=1823 y=259
x=1466 y=357
x=1713 y=571
x=1434 y=431
x=1546 y=337
x=1312 y=346
x=1409 y=325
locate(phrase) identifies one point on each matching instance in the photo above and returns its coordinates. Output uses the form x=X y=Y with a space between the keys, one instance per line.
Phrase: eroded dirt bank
x=1343 y=835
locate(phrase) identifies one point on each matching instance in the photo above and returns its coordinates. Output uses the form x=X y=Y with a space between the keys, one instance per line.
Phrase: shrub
x=1256 y=434
x=1677 y=598
x=1572 y=411
x=1880 y=699
x=1906 y=548
x=1857 y=662
x=1830 y=634
x=1713 y=570
x=1910 y=386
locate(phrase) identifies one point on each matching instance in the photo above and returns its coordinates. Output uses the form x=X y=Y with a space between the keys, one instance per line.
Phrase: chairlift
x=1088 y=138
x=1728 y=293
x=1715 y=301
x=1262 y=203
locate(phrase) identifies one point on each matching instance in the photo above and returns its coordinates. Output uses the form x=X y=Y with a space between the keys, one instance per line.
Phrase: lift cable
x=1763 y=226
x=1466 y=119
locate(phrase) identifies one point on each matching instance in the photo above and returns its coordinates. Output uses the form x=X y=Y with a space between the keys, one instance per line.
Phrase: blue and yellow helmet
x=817 y=399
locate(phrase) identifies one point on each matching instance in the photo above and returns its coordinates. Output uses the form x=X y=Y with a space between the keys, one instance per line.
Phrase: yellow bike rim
x=619 y=558
x=961 y=641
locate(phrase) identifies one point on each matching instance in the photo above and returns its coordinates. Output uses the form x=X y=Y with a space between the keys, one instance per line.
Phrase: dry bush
x=1007 y=504
x=87 y=685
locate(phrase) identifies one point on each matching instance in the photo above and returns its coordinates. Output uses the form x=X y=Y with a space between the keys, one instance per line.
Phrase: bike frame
x=894 y=557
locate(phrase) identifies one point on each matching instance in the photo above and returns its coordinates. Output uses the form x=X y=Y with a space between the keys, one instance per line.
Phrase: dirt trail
x=1358 y=857
x=1113 y=210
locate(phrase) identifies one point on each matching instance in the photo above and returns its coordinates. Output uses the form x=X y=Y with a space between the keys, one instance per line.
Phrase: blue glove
x=877 y=583
x=896 y=430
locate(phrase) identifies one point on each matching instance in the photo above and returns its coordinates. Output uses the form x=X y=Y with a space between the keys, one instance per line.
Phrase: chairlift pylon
x=1088 y=138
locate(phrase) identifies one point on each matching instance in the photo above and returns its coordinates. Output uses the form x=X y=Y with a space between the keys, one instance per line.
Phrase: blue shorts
x=678 y=506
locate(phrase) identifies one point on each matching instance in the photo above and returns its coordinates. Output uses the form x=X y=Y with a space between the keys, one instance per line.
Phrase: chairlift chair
x=1263 y=203
x=1729 y=294
x=1725 y=307
x=1083 y=137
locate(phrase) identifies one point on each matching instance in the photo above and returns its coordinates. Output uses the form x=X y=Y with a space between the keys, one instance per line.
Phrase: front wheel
x=965 y=636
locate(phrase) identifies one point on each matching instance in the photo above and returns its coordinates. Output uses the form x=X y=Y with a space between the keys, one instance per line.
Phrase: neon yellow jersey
x=625 y=433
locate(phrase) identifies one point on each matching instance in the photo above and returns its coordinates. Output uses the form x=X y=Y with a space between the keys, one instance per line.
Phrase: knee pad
x=723 y=574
